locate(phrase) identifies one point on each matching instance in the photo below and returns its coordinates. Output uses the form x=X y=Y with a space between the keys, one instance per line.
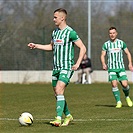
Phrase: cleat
x=119 y=105
x=67 y=120
x=129 y=102
x=56 y=122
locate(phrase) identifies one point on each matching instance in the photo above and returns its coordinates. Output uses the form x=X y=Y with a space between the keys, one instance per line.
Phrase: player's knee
x=114 y=85
x=59 y=90
x=125 y=85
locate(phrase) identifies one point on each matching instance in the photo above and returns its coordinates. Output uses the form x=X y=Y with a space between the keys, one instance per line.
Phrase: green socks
x=66 y=111
x=116 y=94
x=60 y=105
x=126 y=91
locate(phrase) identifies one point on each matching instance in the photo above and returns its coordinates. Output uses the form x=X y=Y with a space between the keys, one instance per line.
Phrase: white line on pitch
x=76 y=120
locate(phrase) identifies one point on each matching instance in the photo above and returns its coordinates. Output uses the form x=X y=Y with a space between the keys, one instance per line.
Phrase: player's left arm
x=82 y=52
x=130 y=66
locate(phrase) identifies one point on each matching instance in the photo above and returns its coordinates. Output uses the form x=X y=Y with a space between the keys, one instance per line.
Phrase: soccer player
x=62 y=44
x=114 y=49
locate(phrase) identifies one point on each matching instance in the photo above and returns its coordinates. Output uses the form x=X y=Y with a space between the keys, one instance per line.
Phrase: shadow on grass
x=100 y=105
x=43 y=122
x=47 y=123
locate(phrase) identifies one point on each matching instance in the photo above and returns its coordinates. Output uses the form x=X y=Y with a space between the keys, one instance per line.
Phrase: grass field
x=92 y=106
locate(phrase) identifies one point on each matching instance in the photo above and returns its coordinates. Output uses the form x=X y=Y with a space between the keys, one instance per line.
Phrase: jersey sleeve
x=73 y=36
x=124 y=46
x=104 y=47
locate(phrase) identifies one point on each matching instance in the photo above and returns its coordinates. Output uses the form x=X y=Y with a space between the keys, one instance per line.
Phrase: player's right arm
x=47 y=47
x=103 y=54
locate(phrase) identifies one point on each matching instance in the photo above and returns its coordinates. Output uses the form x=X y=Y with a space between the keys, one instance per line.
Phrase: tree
x=27 y=21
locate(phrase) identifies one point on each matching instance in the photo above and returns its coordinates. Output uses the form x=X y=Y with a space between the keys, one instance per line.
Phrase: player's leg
x=126 y=88
x=116 y=93
x=68 y=117
x=55 y=77
x=66 y=110
x=60 y=82
x=65 y=77
x=60 y=102
x=59 y=90
x=61 y=105
x=115 y=90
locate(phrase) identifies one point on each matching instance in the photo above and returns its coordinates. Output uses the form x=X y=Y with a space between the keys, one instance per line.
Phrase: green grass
x=92 y=106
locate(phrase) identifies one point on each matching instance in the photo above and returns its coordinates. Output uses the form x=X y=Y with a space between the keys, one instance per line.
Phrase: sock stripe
x=60 y=98
x=126 y=88
x=114 y=89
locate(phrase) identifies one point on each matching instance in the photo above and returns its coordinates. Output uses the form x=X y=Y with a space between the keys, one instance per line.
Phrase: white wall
x=45 y=76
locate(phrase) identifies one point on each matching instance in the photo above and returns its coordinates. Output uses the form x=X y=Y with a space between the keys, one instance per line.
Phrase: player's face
x=112 y=34
x=58 y=18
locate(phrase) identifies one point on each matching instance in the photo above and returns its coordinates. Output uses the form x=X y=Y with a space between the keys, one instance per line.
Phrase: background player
x=114 y=49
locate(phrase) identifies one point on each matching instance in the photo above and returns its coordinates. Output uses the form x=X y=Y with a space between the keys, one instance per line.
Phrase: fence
x=46 y=76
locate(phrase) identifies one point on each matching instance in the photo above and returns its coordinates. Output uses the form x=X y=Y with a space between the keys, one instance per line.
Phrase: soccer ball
x=26 y=119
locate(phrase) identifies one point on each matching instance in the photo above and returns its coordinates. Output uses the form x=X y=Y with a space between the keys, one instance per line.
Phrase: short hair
x=61 y=10
x=112 y=28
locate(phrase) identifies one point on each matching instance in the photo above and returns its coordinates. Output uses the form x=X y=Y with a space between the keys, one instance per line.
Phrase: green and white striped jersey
x=115 y=53
x=63 y=48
